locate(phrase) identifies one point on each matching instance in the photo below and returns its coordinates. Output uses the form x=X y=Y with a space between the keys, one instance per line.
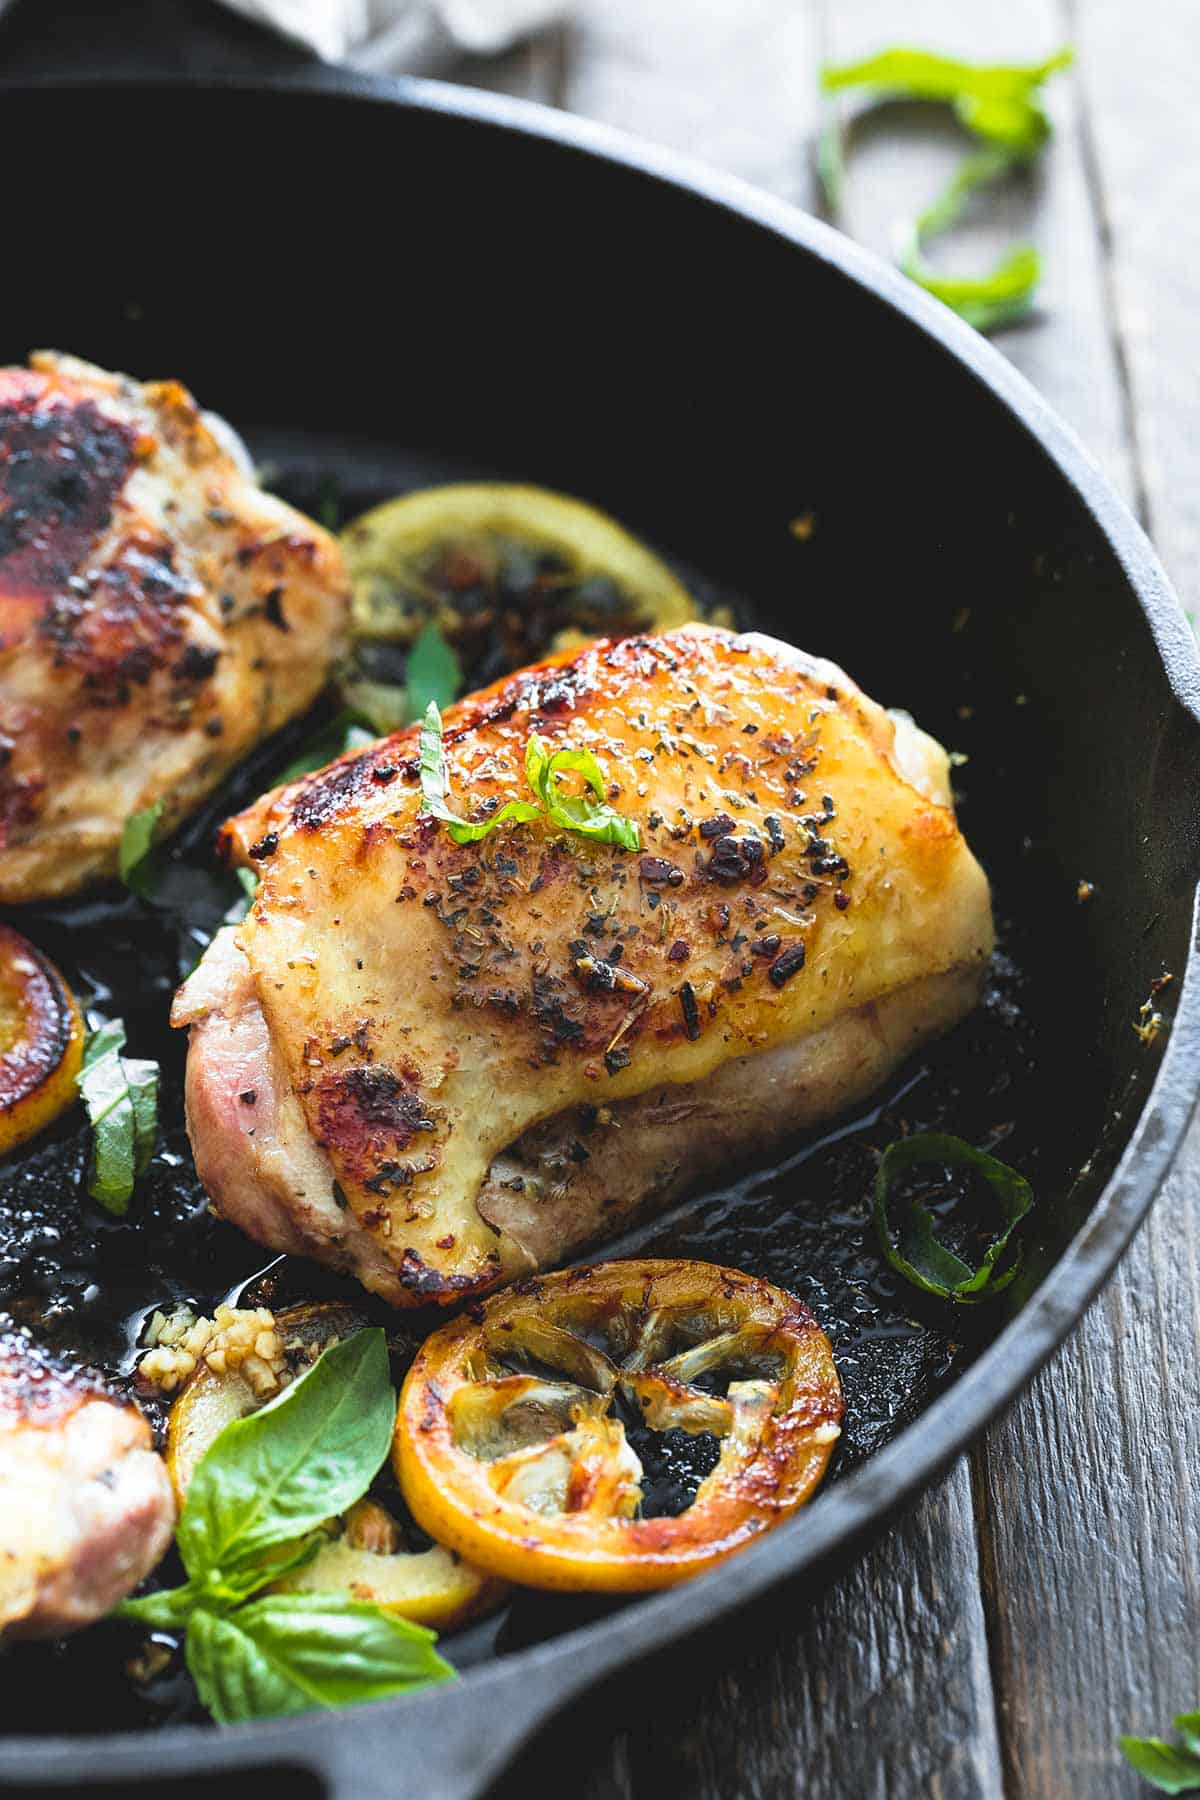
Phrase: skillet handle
x=446 y=1743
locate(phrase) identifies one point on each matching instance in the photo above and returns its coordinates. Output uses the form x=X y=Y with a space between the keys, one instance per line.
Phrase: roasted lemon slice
x=366 y=1556
x=41 y=1040
x=511 y=1446
x=509 y=574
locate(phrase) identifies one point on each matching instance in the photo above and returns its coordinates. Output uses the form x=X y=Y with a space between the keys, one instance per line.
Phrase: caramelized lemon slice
x=511 y=1438
x=41 y=1040
x=509 y=575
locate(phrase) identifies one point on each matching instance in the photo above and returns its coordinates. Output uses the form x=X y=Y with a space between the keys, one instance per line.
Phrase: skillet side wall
x=553 y=316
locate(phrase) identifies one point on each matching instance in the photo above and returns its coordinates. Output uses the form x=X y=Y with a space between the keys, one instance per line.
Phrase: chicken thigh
x=439 y=1065
x=86 y=1507
x=159 y=614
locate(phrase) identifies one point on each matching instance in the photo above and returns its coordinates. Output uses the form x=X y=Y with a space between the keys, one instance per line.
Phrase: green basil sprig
x=916 y=1253
x=1171 y=1768
x=120 y=1094
x=134 y=861
x=998 y=103
x=254 y=1510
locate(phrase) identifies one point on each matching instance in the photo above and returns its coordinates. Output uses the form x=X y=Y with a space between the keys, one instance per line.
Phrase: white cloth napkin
x=402 y=36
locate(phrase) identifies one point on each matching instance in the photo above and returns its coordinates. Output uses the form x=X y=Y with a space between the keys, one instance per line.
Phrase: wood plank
x=1092 y=1553
x=1145 y=144
x=731 y=83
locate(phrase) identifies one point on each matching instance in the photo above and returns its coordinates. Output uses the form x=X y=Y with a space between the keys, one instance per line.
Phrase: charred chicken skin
x=159 y=614
x=440 y=1065
x=86 y=1508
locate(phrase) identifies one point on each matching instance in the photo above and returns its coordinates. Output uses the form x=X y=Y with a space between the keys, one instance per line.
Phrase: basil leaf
x=435 y=788
x=573 y=812
x=309 y=1453
x=108 y=1036
x=351 y=729
x=919 y=1256
x=166 y=1610
x=105 y=1094
x=120 y=1095
x=434 y=672
x=141 y=1077
x=133 y=852
x=290 y=1653
x=1188 y=1727
x=1171 y=1768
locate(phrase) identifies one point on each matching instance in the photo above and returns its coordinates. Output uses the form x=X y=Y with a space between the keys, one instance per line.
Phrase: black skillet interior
x=381 y=297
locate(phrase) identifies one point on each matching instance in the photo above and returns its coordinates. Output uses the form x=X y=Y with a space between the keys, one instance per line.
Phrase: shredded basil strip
x=589 y=818
x=133 y=853
x=120 y=1095
x=916 y=1253
x=586 y=817
x=254 y=1510
x=1001 y=105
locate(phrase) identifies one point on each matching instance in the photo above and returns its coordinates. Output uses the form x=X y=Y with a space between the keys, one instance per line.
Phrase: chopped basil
x=587 y=817
x=121 y=1097
x=137 y=841
x=254 y=1510
x=998 y=103
x=915 y=1252
x=435 y=788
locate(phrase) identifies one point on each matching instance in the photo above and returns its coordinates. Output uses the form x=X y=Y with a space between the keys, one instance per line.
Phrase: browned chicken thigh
x=438 y=1065
x=159 y=614
x=86 y=1507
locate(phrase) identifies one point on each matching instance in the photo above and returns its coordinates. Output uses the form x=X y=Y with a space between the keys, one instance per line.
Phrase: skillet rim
x=871 y=1494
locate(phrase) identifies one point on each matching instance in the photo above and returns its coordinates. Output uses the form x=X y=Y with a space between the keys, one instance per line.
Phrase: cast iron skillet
x=349 y=267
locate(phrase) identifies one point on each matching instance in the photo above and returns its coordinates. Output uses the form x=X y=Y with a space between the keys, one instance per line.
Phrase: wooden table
x=1047 y=1594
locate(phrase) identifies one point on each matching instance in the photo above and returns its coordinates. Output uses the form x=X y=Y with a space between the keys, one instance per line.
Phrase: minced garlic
x=235 y=1338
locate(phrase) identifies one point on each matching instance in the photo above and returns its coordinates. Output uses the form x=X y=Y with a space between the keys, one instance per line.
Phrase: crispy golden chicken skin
x=86 y=1508
x=159 y=614
x=439 y=1065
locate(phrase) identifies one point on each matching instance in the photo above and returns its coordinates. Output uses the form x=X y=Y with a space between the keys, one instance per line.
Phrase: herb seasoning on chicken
x=448 y=1088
